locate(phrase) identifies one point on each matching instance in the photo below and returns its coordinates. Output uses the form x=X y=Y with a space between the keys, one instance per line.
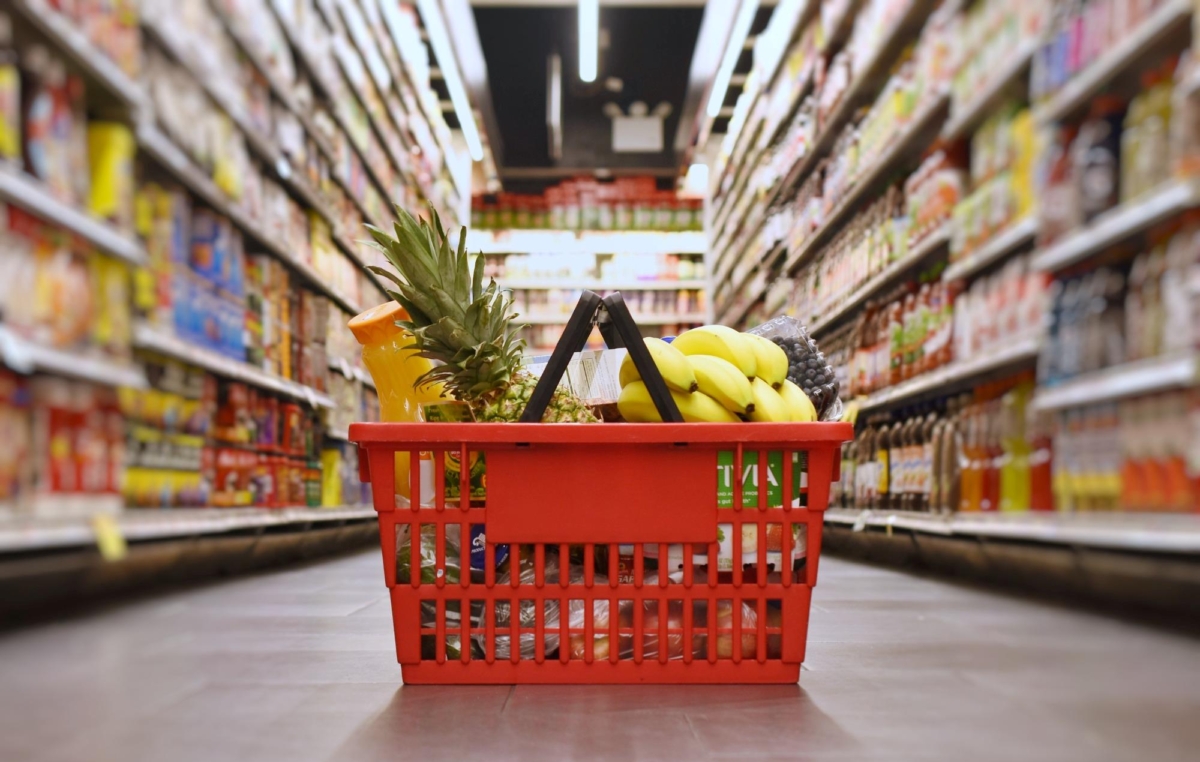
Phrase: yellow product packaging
x=10 y=111
x=394 y=366
x=111 y=150
x=331 y=477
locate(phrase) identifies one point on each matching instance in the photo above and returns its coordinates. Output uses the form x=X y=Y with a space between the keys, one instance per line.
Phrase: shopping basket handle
x=618 y=328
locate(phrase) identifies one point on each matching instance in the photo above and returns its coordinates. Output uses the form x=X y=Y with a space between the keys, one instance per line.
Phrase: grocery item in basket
x=719 y=341
x=721 y=380
x=771 y=360
x=456 y=412
x=672 y=365
x=726 y=642
x=526 y=614
x=776 y=563
x=388 y=354
x=463 y=325
x=807 y=367
x=428 y=554
x=636 y=406
x=676 y=646
x=769 y=407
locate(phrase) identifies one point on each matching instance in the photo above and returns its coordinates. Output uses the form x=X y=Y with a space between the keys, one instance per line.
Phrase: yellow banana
x=770 y=358
x=769 y=407
x=719 y=341
x=798 y=403
x=722 y=381
x=671 y=364
x=636 y=406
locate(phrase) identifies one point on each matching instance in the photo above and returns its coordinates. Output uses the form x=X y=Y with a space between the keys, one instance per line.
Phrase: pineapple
x=466 y=327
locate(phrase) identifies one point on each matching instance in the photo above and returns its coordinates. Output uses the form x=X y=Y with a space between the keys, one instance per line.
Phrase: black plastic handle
x=618 y=329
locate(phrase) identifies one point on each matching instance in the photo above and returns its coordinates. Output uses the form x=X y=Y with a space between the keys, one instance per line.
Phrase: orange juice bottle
x=394 y=367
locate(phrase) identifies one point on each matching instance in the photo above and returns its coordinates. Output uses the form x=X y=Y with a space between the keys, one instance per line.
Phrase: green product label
x=750 y=478
x=456 y=412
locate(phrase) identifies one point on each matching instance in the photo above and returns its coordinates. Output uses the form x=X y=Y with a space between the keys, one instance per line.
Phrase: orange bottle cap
x=378 y=324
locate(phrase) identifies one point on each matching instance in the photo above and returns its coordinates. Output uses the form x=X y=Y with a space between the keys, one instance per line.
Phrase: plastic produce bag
x=675 y=644
x=428 y=554
x=427 y=549
x=807 y=367
x=526 y=614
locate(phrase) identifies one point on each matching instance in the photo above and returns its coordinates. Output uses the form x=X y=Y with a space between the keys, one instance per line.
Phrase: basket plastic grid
x=568 y=488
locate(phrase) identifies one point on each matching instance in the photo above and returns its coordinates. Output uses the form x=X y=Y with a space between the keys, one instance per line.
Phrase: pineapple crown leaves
x=454 y=318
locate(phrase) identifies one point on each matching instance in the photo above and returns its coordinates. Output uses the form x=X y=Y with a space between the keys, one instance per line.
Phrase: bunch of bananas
x=717 y=375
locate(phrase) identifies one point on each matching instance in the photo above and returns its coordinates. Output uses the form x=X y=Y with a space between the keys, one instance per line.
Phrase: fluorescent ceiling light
x=431 y=13
x=695 y=183
x=589 y=39
x=737 y=41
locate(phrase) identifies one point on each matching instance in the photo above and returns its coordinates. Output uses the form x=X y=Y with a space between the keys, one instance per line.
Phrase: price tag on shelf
x=109 y=540
x=346 y=369
x=860 y=523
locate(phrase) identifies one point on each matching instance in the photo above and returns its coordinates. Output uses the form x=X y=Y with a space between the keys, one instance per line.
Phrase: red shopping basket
x=603 y=553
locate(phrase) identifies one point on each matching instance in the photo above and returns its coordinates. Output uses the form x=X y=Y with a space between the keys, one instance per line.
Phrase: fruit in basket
x=723 y=382
x=671 y=363
x=770 y=359
x=466 y=327
x=809 y=370
x=719 y=341
x=636 y=406
x=769 y=407
x=798 y=403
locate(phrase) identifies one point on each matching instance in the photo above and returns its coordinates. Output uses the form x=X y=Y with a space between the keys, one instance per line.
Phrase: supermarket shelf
x=1119 y=223
x=25 y=356
x=349 y=372
x=282 y=91
x=869 y=76
x=1140 y=532
x=1173 y=15
x=149 y=338
x=800 y=13
x=32 y=533
x=316 y=75
x=916 y=135
x=262 y=145
x=588 y=242
x=1155 y=374
x=672 y=319
x=401 y=74
x=725 y=259
x=1016 y=235
x=68 y=38
x=595 y=285
x=954 y=374
x=156 y=143
x=965 y=117
x=933 y=242
x=28 y=193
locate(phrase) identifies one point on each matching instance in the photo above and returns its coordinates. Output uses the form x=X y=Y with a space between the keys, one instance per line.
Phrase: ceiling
x=649 y=49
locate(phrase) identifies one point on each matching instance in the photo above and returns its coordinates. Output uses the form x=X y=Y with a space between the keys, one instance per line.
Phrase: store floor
x=299 y=665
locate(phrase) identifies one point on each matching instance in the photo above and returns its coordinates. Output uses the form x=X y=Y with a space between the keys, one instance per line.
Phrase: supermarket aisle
x=298 y=665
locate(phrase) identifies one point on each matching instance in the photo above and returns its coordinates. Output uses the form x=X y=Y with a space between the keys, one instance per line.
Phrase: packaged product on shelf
x=77 y=448
x=111 y=149
x=16 y=430
x=10 y=96
x=1097 y=158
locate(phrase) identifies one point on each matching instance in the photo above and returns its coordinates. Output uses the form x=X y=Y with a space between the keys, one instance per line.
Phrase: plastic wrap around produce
x=807 y=366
